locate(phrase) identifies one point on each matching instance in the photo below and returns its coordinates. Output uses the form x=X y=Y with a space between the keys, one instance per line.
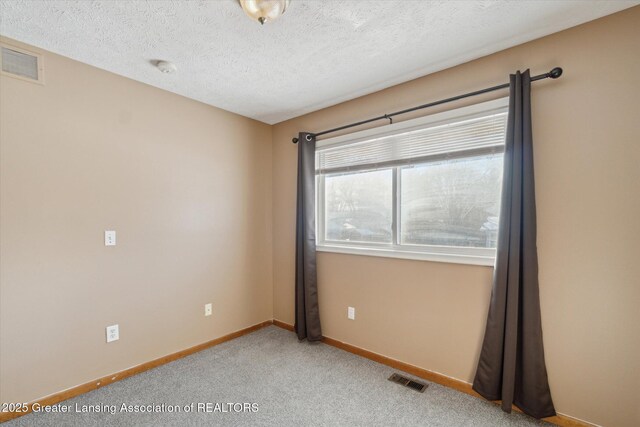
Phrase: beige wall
x=587 y=157
x=186 y=186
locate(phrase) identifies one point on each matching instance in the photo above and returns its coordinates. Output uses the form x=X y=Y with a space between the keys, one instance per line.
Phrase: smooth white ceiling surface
x=319 y=53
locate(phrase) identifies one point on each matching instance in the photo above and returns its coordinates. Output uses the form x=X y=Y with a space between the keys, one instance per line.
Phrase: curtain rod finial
x=308 y=137
x=555 y=73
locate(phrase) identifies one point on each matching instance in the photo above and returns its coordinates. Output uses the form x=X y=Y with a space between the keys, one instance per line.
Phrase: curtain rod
x=553 y=74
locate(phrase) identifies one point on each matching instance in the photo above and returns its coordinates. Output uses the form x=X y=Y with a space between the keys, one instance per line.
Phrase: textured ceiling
x=319 y=53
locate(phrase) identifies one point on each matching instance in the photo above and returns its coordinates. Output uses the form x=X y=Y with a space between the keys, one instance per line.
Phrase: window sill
x=434 y=256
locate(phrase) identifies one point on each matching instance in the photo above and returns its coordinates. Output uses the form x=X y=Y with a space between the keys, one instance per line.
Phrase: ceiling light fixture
x=264 y=10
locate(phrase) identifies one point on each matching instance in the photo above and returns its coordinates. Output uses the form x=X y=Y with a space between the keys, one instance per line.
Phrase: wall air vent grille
x=21 y=64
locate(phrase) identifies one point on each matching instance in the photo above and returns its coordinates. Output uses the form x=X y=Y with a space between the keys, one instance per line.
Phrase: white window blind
x=483 y=134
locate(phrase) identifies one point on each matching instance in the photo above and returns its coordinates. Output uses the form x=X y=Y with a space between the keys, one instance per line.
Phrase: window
x=423 y=189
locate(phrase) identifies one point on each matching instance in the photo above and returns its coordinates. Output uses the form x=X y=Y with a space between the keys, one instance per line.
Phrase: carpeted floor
x=292 y=383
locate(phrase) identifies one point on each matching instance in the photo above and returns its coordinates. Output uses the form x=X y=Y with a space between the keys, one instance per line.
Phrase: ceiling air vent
x=21 y=64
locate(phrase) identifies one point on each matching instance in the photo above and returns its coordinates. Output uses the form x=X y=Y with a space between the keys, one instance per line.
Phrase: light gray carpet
x=293 y=383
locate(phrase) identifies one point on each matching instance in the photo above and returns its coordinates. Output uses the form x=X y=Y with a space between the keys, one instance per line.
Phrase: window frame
x=449 y=254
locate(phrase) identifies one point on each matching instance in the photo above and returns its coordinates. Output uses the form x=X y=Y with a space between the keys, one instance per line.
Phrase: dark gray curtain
x=511 y=365
x=307 y=324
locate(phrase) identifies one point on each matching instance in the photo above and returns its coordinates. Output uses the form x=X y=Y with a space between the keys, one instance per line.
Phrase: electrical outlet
x=113 y=333
x=208 y=309
x=351 y=313
x=109 y=238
